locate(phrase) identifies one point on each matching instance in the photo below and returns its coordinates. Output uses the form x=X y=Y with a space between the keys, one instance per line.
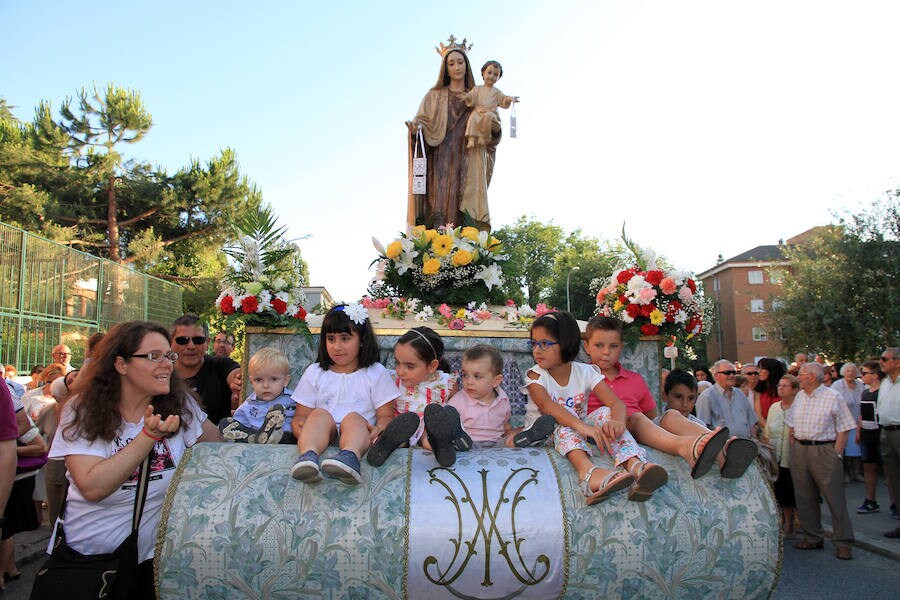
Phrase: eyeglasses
x=182 y=340
x=158 y=356
x=861 y=373
x=885 y=358
x=62 y=354
x=729 y=373
x=751 y=373
x=542 y=344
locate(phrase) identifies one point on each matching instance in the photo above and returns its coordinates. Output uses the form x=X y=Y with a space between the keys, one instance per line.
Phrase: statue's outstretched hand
x=412 y=126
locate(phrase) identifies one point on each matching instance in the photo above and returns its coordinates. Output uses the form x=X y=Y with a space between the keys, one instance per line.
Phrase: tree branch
x=86 y=243
x=133 y=220
x=80 y=220
x=191 y=234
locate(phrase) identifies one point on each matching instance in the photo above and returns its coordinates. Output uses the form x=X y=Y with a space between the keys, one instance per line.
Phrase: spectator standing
x=9 y=431
x=215 y=381
x=223 y=344
x=776 y=433
x=819 y=421
x=62 y=354
x=889 y=418
x=770 y=372
x=724 y=405
x=850 y=389
x=870 y=436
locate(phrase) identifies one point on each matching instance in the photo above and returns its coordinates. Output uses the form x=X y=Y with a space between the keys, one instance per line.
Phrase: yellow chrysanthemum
x=430 y=234
x=461 y=258
x=493 y=244
x=418 y=231
x=657 y=317
x=461 y=313
x=394 y=249
x=469 y=233
x=441 y=245
x=617 y=306
x=431 y=266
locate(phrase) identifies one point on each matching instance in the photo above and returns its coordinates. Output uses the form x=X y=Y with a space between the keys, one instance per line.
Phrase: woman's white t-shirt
x=362 y=391
x=573 y=396
x=99 y=527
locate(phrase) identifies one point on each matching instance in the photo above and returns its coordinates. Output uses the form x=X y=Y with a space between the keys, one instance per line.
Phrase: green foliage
x=841 y=294
x=532 y=248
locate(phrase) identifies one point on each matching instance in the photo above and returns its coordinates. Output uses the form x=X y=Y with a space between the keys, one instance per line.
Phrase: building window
x=755 y=277
x=777 y=304
x=759 y=335
x=757 y=305
x=776 y=277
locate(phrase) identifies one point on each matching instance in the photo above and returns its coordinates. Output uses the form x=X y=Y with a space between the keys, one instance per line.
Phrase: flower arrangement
x=446 y=264
x=652 y=300
x=262 y=283
x=523 y=315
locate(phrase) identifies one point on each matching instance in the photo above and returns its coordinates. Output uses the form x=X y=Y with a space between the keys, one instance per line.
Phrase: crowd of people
x=146 y=393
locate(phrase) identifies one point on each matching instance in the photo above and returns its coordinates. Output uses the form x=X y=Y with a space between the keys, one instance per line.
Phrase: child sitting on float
x=559 y=387
x=347 y=395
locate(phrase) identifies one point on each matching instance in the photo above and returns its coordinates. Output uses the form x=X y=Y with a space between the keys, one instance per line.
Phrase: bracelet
x=152 y=437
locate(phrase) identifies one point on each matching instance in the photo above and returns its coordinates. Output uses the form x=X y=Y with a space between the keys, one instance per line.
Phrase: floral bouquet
x=443 y=265
x=651 y=300
x=262 y=286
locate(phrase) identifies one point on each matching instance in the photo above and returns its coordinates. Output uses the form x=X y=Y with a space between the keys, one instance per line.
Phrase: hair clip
x=356 y=312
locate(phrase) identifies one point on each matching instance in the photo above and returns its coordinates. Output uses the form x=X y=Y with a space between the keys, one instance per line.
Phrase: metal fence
x=51 y=294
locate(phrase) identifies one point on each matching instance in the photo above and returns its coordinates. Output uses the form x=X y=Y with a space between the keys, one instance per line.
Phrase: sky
x=705 y=127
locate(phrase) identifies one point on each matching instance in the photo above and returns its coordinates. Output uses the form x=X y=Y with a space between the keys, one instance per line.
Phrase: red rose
x=300 y=314
x=249 y=305
x=692 y=285
x=623 y=300
x=624 y=276
x=694 y=325
x=654 y=277
x=649 y=329
x=646 y=309
x=279 y=306
x=633 y=310
x=227 y=305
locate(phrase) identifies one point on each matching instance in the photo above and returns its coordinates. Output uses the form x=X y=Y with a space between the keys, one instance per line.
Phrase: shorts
x=870 y=446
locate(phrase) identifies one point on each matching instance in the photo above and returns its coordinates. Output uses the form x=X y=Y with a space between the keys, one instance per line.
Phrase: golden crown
x=453 y=45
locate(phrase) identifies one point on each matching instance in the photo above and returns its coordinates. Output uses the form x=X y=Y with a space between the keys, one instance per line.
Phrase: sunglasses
x=749 y=373
x=727 y=372
x=866 y=373
x=542 y=344
x=885 y=358
x=182 y=340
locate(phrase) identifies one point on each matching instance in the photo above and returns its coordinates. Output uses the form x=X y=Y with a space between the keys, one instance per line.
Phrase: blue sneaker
x=868 y=506
x=306 y=469
x=894 y=513
x=344 y=467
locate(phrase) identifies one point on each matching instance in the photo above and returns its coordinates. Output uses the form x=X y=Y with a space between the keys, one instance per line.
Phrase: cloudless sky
x=706 y=127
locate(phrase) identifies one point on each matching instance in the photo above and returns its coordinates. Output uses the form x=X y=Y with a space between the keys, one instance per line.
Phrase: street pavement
x=874 y=572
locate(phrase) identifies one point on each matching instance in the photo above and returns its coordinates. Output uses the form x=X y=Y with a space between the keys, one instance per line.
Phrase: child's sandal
x=648 y=477
x=704 y=459
x=616 y=481
x=739 y=454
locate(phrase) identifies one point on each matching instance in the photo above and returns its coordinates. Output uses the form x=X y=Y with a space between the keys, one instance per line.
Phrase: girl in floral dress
x=559 y=387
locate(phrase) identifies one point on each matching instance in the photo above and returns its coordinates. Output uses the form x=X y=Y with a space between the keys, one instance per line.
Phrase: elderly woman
x=128 y=403
x=777 y=434
x=850 y=389
x=457 y=178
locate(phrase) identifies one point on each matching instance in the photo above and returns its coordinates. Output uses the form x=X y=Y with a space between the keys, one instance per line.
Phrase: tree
x=840 y=294
x=532 y=249
x=594 y=260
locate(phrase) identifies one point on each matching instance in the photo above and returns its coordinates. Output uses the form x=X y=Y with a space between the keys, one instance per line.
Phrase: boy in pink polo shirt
x=483 y=406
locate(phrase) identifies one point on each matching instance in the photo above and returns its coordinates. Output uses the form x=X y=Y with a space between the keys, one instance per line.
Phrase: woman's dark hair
x=563 y=326
x=494 y=63
x=337 y=321
x=97 y=389
x=706 y=370
x=776 y=371
x=875 y=367
x=427 y=345
x=680 y=377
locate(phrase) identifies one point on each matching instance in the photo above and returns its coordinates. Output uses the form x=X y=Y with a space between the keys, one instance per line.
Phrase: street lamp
x=568 y=301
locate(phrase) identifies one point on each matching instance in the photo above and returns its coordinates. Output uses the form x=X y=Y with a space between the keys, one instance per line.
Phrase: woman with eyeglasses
x=870 y=435
x=126 y=404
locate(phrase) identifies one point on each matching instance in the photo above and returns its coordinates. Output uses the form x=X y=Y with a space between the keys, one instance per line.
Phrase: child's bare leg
x=423 y=441
x=354 y=434
x=650 y=434
x=317 y=431
x=674 y=422
x=508 y=441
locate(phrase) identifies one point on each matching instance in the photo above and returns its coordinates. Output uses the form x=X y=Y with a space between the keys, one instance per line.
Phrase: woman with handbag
x=122 y=433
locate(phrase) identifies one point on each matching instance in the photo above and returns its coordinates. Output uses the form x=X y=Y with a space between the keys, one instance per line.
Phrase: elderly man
x=818 y=425
x=62 y=354
x=889 y=418
x=223 y=344
x=724 y=405
x=213 y=379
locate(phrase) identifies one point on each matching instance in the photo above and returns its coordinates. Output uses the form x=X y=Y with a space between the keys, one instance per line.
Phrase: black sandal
x=397 y=433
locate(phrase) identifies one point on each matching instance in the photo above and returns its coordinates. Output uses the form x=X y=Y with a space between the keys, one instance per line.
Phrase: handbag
x=420 y=164
x=768 y=464
x=72 y=575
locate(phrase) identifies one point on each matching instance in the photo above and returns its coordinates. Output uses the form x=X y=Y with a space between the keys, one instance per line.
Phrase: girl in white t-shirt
x=346 y=396
x=559 y=387
x=127 y=403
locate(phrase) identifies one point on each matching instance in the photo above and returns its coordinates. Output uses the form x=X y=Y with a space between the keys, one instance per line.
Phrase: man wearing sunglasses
x=214 y=380
x=889 y=418
x=724 y=405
